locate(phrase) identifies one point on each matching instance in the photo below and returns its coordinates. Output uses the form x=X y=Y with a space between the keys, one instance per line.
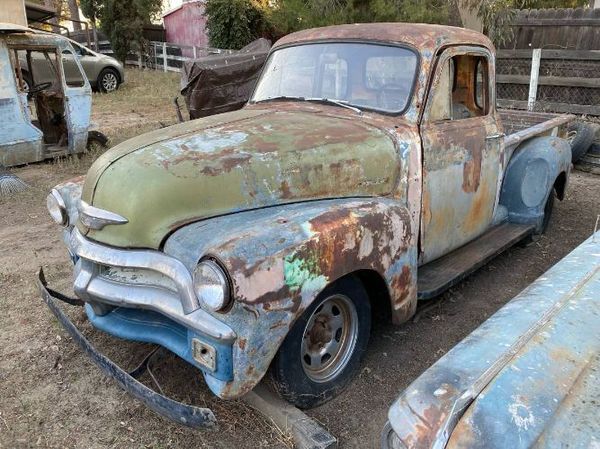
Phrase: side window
x=74 y=77
x=481 y=84
x=441 y=102
x=462 y=90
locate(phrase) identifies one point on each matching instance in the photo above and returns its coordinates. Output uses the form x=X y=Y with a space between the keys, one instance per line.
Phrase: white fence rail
x=169 y=57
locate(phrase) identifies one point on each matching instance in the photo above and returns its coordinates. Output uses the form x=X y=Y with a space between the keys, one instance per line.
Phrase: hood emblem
x=94 y=218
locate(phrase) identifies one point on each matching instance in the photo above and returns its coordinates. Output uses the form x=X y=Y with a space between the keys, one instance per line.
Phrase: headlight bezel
x=57 y=208
x=205 y=291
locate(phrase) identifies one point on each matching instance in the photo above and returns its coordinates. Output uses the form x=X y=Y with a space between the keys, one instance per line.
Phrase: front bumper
x=184 y=414
x=165 y=312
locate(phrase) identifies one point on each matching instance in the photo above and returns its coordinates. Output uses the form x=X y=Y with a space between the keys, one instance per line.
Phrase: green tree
x=123 y=22
x=293 y=15
x=235 y=23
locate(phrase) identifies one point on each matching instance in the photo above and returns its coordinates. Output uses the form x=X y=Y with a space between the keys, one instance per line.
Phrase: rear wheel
x=322 y=352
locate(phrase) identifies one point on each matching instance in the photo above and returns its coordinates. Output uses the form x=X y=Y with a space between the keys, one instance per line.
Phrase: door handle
x=495 y=136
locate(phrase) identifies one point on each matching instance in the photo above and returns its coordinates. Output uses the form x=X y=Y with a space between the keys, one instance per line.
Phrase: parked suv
x=104 y=72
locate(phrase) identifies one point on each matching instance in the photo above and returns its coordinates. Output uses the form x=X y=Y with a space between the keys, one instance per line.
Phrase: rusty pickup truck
x=369 y=170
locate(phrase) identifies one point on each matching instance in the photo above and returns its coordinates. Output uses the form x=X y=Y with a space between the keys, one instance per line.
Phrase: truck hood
x=232 y=162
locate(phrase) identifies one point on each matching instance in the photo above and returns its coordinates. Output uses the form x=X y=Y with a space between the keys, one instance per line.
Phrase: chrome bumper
x=182 y=307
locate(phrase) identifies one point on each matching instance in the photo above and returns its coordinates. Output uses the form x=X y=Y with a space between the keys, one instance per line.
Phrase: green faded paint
x=297 y=272
x=232 y=162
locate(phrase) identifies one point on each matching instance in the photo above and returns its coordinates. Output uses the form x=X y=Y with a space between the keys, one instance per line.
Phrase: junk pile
x=222 y=82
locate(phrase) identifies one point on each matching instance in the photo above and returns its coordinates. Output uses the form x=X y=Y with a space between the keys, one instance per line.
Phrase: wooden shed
x=186 y=24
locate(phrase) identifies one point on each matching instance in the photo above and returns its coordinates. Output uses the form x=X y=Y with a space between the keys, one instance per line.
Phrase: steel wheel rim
x=109 y=82
x=329 y=338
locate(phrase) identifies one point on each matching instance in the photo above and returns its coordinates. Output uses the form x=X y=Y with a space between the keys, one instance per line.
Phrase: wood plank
x=551 y=107
x=549 y=80
x=435 y=277
x=575 y=55
x=556 y=22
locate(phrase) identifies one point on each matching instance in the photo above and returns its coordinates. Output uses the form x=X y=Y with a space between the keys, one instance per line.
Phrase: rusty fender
x=280 y=258
x=537 y=167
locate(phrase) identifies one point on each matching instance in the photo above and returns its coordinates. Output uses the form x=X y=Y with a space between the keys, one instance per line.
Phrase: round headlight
x=211 y=285
x=56 y=207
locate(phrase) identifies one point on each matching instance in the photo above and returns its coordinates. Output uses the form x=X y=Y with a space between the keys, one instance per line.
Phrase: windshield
x=368 y=76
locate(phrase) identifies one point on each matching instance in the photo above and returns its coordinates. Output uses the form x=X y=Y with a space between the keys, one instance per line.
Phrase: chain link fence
x=564 y=84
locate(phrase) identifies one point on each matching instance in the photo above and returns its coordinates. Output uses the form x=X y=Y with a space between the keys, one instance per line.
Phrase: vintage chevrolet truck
x=369 y=170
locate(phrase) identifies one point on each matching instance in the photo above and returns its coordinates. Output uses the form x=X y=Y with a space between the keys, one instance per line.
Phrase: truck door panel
x=461 y=153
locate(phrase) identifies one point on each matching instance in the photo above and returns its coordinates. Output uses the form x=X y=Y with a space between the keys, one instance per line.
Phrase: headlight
x=211 y=285
x=56 y=207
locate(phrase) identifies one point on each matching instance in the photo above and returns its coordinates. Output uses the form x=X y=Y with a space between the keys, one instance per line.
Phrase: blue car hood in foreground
x=527 y=377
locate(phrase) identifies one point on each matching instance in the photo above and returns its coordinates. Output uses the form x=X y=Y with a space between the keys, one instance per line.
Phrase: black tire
x=108 y=80
x=389 y=439
x=291 y=372
x=595 y=148
x=581 y=136
x=548 y=208
x=96 y=138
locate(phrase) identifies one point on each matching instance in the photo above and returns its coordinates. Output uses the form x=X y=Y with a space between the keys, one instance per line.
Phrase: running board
x=439 y=275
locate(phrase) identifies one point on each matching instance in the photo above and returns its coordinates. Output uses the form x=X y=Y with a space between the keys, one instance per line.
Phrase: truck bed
x=520 y=126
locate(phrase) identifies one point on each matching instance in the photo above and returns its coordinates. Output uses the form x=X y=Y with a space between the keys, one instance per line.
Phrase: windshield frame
x=402 y=45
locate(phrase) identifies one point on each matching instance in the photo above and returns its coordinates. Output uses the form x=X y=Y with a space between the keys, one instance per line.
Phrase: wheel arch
x=560 y=185
x=536 y=167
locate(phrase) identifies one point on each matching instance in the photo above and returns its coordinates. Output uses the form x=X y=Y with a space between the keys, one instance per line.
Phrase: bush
x=235 y=23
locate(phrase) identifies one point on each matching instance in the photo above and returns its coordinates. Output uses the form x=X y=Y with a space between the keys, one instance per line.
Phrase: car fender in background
x=527 y=377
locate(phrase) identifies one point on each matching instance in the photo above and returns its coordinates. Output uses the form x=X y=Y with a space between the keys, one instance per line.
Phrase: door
x=78 y=101
x=461 y=152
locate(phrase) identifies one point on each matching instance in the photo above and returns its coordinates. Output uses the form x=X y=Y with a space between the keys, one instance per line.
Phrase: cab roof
x=419 y=35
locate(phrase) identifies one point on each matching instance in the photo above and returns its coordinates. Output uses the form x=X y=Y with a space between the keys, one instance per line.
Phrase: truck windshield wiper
x=280 y=97
x=342 y=103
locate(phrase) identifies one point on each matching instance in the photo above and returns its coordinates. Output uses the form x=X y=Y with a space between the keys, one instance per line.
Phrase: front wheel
x=108 y=81
x=322 y=352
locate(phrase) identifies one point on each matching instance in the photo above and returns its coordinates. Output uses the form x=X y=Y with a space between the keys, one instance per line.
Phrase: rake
x=10 y=183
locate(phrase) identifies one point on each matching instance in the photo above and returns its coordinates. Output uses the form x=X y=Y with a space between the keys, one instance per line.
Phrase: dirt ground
x=52 y=396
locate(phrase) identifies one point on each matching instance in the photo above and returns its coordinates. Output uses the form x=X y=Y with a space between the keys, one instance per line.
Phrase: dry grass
x=143 y=103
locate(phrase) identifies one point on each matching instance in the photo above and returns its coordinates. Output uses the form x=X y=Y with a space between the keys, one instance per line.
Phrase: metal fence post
x=195 y=52
x=164 y=56
x=536 y=56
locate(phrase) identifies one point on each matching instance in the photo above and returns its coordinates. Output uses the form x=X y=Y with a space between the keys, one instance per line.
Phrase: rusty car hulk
x=369 y=169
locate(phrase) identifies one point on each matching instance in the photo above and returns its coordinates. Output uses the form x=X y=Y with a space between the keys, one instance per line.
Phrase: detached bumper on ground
x=187 y=415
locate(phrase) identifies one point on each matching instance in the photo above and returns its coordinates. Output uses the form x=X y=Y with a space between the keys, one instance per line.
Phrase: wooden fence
x=573 y=29
x=569 y=69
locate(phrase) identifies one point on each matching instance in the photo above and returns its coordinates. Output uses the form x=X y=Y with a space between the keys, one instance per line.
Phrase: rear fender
x=279 y=259
x=531 y=175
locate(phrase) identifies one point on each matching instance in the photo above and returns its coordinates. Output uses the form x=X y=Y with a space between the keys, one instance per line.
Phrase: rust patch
x=400 y=285
x=285 y=190
x=472 y=170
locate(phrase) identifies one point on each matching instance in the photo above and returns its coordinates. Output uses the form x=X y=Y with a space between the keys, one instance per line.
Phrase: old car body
x=527 y=377
x=104 y=72
x=45 y=119
x=293 y=197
